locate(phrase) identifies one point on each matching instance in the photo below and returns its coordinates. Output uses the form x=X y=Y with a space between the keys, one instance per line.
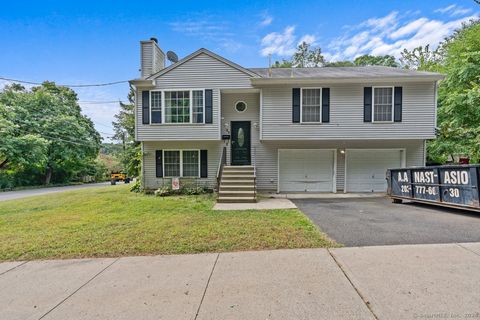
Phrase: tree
x=422 y=58
x=306 y=57
x=283 y=64
x=18 y=148
x=45 y=124
x=340 y=64
x=124 y=128
x=459 y=97
x=369 y=60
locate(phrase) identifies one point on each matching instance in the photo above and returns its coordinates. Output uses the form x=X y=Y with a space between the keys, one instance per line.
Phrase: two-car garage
x=315 y=170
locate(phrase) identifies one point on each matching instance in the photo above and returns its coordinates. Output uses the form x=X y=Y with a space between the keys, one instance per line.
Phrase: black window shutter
x=325 y=105
x=203 y=164
x=158 y=163
x=367 y=104
x=296 y=105
x=208 y=105
x=397 y=104
x=146 y=107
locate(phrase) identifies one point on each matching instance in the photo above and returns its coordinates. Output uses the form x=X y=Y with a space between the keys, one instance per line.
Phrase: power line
x=68 y=85
x=57 y=138
x=102 y=102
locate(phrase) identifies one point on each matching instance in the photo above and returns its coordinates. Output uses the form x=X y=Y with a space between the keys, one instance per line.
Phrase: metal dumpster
x=455 y=186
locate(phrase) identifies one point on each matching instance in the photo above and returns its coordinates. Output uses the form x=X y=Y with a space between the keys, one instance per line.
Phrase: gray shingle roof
x=341 y=72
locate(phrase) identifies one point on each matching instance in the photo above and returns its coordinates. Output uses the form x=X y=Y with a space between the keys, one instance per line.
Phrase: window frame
x=181 y=163
x=373 y=104
x=301 y=106
x=240 y=101
x=150 y=96
x=190 y=106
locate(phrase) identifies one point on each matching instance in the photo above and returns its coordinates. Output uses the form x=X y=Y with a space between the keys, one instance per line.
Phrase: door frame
x=249 y=145
x=403 y=160
x=334 y=182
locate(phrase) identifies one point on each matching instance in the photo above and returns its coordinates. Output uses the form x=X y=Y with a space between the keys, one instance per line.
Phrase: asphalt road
x=10 y=195
x=377 y=221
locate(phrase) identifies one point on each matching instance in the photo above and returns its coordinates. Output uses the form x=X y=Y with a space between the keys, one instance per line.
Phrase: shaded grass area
x=111 y=221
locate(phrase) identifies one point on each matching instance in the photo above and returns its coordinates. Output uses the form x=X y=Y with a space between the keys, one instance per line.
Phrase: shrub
x=188 y=190
x=136 y=187
x=163 y=191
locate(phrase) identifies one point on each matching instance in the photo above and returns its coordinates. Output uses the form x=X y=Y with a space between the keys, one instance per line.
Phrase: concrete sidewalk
x=387 y=282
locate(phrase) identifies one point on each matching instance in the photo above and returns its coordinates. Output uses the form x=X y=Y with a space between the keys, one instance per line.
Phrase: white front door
x=306 y=170
x=366 y=169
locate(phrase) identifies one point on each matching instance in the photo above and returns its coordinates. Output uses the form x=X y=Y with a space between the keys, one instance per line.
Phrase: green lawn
x=111 y=221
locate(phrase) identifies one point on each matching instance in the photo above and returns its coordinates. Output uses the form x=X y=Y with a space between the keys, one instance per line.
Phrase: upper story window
x=156 y=106
x=382 y=104
x=311 y=103
x=177 y=106
x=240 y=106
x=183 y=106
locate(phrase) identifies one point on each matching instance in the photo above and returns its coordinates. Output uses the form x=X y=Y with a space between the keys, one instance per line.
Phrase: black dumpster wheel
x=397 y=200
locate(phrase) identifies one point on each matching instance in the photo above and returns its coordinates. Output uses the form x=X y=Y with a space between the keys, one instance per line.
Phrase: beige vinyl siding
x=159 y=62
x=149 y=170
x=186 y=131
x=346 y=115
x=146 y=55
x=201 y=72
x=251 y=114
x=267 y=156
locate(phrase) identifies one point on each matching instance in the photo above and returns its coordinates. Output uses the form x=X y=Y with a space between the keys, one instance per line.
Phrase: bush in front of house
x=137 y=186
x=187 y=190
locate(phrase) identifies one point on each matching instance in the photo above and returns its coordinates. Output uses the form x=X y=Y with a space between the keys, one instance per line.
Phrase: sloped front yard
x=111 y=221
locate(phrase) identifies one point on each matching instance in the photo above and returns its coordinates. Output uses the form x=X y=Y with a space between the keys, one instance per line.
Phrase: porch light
x=342 y=151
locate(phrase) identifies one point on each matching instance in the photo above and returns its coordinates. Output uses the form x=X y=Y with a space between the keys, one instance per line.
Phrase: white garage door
x=366 y=169
x=306 y=170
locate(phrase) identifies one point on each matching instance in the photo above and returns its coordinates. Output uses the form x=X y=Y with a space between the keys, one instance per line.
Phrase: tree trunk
x=3 y=164
x=48 y=175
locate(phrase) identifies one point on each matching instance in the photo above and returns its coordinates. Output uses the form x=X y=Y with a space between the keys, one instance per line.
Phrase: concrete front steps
x=237 y=185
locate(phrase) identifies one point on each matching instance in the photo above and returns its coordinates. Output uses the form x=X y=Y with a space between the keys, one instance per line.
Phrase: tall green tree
x=47 y=122
x=459 y=97
x=369 y=60
x=422 y=58
x=307 y=57
x=124 y=128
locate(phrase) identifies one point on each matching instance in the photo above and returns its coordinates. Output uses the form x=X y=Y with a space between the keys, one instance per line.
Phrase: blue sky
x=98 y=41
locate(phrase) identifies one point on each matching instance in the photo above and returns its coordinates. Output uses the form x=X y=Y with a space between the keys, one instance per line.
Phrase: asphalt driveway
x=378 y=221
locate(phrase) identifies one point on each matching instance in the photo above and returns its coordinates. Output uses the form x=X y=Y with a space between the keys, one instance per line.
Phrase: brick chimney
x=152 y=58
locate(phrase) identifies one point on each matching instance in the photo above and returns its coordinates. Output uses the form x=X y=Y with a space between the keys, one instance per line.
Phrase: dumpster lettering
x=456 y=177
x=447 y=185
x=424 y=176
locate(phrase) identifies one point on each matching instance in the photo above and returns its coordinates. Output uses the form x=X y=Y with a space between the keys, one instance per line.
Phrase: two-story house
x=328 y=129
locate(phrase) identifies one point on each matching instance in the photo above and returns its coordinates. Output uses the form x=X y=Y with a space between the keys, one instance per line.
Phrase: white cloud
x=391 y=34
x=384 y=22
x=266 y=20
x=284 y=43
x=446 y=9
x=209 y=29
x=453 y=10
x=408 y=28
x=308 y=38
x=281 y=44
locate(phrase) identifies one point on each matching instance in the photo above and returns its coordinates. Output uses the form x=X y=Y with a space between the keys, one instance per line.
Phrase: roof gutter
x=297 y=81
x=141 y=83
